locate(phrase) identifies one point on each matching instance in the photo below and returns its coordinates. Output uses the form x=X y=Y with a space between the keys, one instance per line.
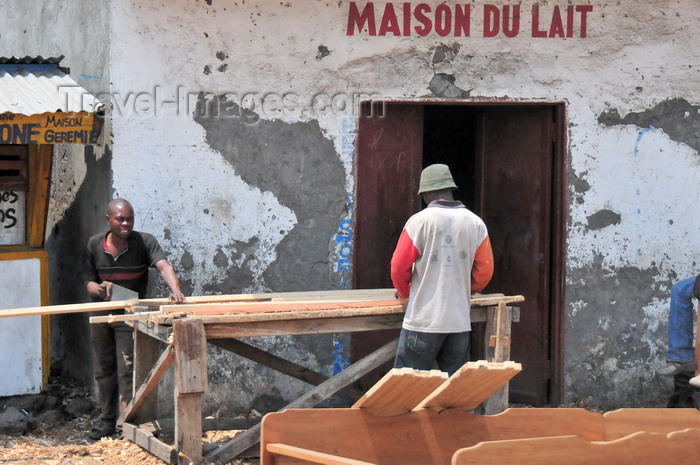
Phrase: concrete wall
x=224 y=143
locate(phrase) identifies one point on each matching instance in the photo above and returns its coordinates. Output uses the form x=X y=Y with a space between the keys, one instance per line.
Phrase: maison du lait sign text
x=467 y=20
x=48 y=128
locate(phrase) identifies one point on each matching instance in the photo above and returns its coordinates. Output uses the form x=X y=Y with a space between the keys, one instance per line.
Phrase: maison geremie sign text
x=421 y=19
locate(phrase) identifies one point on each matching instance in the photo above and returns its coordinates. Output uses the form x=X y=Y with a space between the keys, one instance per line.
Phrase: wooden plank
x=312 y=398
x=150 y=383
x=311 y=456
x=620 y=423
x=343 y=321
x=281 y=365
x=400 y=391
x=337 y=294
x=228 y=308
x=153 y=445
x=419 y=437
x=292 y=306
x=681 y=447
x=470 y=385
x=67 y=308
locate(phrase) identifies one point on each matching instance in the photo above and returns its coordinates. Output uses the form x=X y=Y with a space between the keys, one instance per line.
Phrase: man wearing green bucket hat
x=443 y=256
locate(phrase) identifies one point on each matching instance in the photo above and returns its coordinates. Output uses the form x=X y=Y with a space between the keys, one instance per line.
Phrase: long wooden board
x=68 y=308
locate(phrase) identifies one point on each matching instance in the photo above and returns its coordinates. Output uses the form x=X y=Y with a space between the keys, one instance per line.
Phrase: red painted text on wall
x=405 y=19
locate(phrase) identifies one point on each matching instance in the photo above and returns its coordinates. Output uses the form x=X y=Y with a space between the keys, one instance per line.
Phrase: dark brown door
x=514 y=197
x=389 y=157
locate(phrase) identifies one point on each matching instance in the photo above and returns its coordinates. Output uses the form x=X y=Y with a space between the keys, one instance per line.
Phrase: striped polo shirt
x=130 y=268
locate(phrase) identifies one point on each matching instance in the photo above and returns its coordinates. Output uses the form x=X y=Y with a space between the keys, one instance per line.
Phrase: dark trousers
x=113 y=352
x=419 y=350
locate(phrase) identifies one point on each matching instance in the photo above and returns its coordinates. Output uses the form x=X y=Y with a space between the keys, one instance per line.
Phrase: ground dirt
x=66 y=443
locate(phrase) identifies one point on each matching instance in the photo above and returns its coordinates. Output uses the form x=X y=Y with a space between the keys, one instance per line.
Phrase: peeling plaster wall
x=249 y=185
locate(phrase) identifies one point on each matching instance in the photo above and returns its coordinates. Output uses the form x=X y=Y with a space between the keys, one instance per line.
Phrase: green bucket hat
x=436 y=177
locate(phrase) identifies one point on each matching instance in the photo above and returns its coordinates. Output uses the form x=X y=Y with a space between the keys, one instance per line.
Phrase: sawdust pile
x=68 y=444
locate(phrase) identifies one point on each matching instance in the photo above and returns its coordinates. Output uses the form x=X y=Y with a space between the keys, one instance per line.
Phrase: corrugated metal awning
x=41 y=104
x=35 y=86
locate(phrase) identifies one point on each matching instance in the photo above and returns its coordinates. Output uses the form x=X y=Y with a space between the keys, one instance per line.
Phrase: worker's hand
x=97 y=290
x=696 y=288
x=177 y=297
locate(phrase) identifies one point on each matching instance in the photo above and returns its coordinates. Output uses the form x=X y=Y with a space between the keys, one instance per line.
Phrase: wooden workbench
x=223 y=320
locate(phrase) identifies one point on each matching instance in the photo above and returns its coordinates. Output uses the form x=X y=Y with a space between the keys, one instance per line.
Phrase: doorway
x=509 y=163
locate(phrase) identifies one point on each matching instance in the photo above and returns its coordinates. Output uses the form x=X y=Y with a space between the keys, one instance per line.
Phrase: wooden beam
x=279 y=364
x=498 y=331
x=146 y=440
x=190 y=384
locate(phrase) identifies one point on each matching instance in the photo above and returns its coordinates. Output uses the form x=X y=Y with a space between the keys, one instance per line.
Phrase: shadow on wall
x=70 y=338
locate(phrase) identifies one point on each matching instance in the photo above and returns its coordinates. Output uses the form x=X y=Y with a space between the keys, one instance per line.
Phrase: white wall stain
x=179 y=184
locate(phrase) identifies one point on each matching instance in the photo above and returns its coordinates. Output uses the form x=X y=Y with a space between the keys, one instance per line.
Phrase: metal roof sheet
x=39 y=60
x=40 y=86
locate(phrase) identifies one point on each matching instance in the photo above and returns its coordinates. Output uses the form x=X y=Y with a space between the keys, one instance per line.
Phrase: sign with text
x=460 y=20
x=13 y=211
x=49 y=128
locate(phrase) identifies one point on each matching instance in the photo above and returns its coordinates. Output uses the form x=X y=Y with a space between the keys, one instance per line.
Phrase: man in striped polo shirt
x=121 y=256
x=443 y=256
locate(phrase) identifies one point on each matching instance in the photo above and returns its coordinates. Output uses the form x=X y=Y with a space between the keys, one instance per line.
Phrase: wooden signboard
x=50 y=128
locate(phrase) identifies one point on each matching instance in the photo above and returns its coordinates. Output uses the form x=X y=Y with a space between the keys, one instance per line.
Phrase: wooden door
x=389 y=157
x=515 y=161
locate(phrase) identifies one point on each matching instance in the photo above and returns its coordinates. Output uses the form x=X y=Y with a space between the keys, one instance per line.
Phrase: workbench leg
x=497 y=341
x=188 y=428
x=146 y=351
x=190 y=344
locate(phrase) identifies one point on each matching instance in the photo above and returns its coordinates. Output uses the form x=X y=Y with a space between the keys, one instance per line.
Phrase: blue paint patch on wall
x=339 y=362
x=343 y=247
